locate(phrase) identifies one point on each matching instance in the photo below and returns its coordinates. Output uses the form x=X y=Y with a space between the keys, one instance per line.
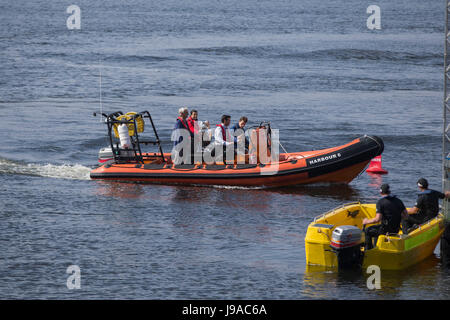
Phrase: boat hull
x=339 y=164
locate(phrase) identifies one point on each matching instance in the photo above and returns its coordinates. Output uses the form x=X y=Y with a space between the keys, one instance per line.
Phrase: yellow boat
x=336 y=237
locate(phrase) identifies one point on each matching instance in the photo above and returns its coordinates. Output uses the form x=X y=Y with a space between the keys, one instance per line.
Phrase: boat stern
x=317 y=245
x=397 y=252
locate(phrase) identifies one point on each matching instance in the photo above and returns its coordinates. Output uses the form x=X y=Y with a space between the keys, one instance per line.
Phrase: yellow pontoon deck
x=392 y=252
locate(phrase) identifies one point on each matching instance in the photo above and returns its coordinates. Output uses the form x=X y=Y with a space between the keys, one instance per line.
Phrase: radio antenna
x=100 y=80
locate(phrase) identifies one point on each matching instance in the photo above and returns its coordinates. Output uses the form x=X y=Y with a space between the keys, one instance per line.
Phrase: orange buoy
x=375 y=166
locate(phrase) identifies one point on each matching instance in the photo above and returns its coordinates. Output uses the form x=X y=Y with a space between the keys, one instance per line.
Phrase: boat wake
x=64 y=171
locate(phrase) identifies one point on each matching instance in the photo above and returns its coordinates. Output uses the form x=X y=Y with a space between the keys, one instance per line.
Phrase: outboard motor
x=105 y=154
x=346 y=242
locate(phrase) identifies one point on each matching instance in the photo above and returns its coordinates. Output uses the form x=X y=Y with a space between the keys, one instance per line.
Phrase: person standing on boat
x=426 y=207
x=180 y=130
x=390 y=211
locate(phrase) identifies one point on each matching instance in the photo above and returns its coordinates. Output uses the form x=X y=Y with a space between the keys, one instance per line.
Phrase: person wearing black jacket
x=240 y=126
x=390 y=211
x=426 y=207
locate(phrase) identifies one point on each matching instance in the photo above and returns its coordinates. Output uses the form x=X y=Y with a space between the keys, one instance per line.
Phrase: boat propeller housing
x=346 y=242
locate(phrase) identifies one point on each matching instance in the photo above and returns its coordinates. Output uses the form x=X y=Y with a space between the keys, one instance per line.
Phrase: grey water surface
x=312 y=68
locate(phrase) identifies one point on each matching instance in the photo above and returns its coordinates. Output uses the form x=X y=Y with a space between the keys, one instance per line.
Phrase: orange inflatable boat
x=339 y=164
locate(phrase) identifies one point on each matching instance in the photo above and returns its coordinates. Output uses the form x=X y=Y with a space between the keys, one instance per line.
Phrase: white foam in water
x=64 y=171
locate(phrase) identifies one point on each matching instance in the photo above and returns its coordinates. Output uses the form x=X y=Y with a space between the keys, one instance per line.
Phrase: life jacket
x=193 y=125
x=224 y=133
x=183 y=122
x=179 y=138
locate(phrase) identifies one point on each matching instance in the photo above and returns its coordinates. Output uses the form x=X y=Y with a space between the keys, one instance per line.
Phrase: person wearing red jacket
x=193 y=122
x=194 y=130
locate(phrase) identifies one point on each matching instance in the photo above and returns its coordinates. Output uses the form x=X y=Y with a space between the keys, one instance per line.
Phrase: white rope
x=282 y=147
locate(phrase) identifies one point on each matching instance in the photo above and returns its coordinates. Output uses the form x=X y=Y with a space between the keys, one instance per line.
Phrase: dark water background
x=312 y=68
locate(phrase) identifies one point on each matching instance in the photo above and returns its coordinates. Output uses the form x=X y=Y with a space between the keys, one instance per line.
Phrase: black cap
x=385 y=189
x=423 y=183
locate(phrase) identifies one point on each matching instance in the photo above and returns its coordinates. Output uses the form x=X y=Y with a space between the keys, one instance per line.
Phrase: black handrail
x=111 y=120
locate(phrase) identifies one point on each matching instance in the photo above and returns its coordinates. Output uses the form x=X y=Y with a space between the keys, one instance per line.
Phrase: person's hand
x=364 y=222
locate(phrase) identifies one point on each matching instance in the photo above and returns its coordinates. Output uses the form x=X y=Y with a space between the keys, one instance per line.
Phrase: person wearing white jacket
x=223 y=136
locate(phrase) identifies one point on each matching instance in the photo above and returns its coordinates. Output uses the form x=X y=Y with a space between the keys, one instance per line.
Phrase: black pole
x=156 y=135
x=140 y=157
x=445 y=238
x=445 y=246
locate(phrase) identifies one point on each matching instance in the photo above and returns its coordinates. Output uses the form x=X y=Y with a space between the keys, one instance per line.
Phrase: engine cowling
x=105 y=154
x=346 y=242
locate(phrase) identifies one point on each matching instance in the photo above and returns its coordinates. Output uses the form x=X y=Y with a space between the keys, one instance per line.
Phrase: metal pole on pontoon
x=445 y=239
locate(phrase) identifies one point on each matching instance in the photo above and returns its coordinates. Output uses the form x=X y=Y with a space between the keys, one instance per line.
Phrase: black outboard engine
x=346 y=242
